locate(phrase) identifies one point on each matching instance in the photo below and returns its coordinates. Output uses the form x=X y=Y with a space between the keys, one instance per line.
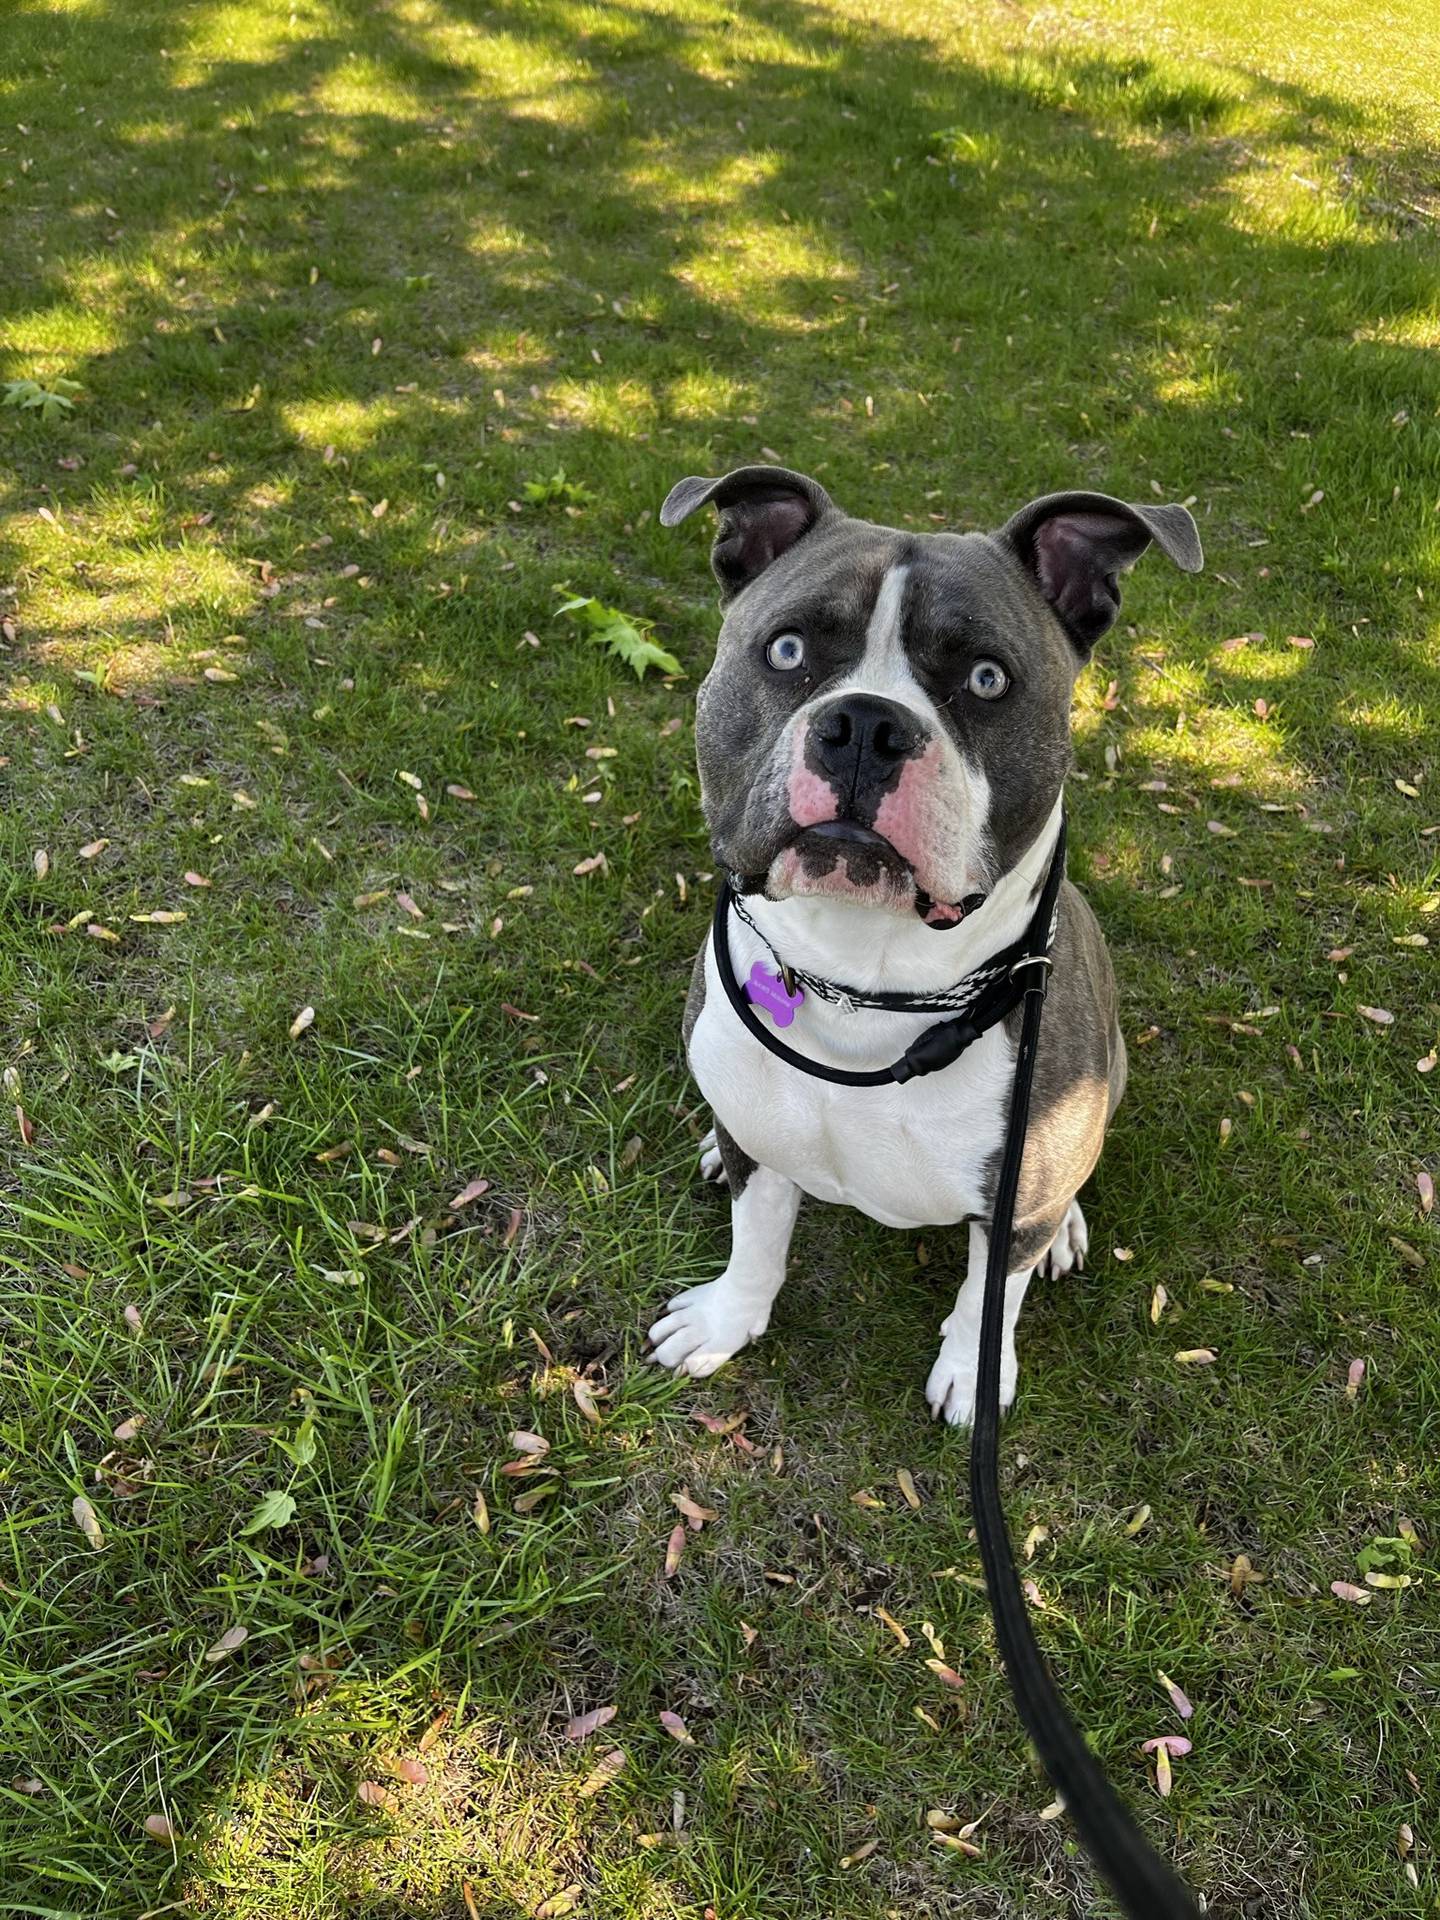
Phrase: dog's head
x=888 y=716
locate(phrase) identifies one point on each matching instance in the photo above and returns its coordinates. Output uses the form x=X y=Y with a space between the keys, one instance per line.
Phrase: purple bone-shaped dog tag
x=769 y=991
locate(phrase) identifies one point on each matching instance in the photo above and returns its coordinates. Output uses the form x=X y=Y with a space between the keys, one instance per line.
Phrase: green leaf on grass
x=557 y=488
x=302 y=1448
x=627 y=638
x=49 y=401
x=276 y=1509
x=1385 y=1554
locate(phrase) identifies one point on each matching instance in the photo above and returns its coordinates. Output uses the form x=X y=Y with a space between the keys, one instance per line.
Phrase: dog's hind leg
x=712 y=1161
x=1066 y=1252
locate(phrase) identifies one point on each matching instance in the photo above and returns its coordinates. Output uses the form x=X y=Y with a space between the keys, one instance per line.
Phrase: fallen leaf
x=584 y=1724
x=470 y=1192
x=88 y=1522
x=673 y=1551
x=601 y=1775
x=676 y=1728
x=232 y=1638
x=304 y=1019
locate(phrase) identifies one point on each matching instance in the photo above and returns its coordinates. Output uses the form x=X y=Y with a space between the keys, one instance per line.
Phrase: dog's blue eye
x=786 y=652
x=988 y=680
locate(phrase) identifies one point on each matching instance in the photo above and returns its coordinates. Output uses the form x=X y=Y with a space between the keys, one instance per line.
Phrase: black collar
x=997 y=989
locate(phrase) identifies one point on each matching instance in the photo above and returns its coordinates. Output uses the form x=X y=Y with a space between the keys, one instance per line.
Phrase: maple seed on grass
x=232 y=1638
x=674 y=1550
x=1178 y=1698
x=692 y=1510
x=1195 y=1357
x=88 y=1522
x=676 y=1728
x=584 y=1724
x=1347 y=1590
x=159 y=1828
x=370 y=1793
x=602 y=1773
x=470 y=1192
x=1355 y=1373
x=304 y=1019
x=857 y=1854
x=906 y=1483
x=480 y=1512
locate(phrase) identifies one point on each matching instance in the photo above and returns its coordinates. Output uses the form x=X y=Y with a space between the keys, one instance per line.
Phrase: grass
x=337 y=284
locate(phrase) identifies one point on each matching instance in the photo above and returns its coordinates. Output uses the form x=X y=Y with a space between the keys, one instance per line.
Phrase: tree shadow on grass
x=1067 y=272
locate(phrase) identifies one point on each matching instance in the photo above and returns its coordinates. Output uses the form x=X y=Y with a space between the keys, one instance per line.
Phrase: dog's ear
x=1075 y=544
x=763 y=512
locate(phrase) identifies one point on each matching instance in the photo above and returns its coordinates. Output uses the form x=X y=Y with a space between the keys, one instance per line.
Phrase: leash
x=1146 y=1887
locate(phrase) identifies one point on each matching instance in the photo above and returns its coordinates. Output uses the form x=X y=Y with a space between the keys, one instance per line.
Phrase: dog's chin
x=859 y=868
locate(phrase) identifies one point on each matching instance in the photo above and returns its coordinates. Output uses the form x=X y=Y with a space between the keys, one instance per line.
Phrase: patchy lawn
x=289 y=721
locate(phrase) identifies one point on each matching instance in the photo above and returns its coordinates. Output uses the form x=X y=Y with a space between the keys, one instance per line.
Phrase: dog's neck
x=876 y=951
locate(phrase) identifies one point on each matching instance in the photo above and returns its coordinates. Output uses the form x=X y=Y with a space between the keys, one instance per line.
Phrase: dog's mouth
x=842 y=858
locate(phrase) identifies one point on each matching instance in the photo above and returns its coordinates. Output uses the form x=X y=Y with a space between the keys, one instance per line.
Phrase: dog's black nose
x=861 y=740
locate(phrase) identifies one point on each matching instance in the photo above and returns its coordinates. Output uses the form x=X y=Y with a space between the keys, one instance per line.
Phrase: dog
x=883 y=742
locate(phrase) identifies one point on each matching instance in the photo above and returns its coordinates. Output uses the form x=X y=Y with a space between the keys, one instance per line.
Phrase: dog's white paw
x=950 y=1390
x=1068 y=1249
x=712 y=1167
x=702 y=1327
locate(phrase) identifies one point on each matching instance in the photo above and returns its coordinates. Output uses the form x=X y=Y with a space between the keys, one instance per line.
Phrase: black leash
x=1146 y=1887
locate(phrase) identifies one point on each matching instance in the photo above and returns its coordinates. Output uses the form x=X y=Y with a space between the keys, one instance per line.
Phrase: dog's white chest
x=909 y=1156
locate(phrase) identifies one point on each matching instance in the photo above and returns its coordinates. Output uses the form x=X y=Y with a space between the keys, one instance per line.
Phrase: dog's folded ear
x=1075 y=544
x=763 y=512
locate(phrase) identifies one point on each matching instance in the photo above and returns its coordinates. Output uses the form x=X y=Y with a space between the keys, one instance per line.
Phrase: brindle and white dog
x=883 y=743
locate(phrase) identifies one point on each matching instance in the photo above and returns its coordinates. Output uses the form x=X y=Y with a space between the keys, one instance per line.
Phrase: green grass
x=303 y=262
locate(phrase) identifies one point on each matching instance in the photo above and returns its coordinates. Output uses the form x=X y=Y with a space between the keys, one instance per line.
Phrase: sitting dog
x=883 y=742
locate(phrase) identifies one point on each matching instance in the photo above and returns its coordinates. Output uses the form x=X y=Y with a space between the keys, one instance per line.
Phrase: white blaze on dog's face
x=887 y=719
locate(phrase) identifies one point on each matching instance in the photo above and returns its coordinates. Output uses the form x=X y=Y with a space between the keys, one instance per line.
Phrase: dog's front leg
x=950 y=1389
x=702 y=1327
